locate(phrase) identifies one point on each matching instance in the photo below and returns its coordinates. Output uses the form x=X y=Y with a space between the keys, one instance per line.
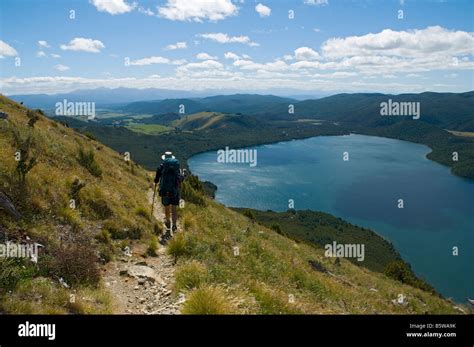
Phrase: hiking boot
x=175 y=228
x=165 y=238
x=168 y=224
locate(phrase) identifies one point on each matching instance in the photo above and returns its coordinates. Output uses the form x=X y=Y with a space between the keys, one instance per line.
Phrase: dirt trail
x=141 y=284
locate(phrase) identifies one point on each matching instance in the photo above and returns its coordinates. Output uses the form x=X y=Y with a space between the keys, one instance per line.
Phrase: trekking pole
x=153 y=201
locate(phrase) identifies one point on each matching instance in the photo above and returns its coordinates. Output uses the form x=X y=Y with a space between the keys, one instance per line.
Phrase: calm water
x=438 y=211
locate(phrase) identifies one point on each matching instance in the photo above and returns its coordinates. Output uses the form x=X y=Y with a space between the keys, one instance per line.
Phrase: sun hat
x=167 y=155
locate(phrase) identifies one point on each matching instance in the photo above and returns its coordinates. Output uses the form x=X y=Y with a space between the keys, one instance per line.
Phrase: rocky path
x=141 y=284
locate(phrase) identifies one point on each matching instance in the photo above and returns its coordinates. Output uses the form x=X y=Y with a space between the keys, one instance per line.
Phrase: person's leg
x=174 y=214
x=167 y=215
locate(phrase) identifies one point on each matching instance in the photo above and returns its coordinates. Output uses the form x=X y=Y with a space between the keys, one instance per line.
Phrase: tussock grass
x=208 y=301
x=190 y=275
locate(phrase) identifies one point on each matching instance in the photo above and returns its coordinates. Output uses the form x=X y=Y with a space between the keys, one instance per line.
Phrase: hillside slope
x=225 y=263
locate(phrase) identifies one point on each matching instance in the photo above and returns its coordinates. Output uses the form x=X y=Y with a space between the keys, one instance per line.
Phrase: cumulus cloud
x=263 y=11
x=231 y=55
x=316 y=2
x=205 y=56
x=84 y=45
x=197 y=10
x=61 y=67
x=224 y=38
x=40 y=54
x=6 y=50
x=55 y=56
x=150 y=61
x=306 y=53
x=204 y=69
x=412 y=43
x=177 y=45
x=113 y=7
x=43 y=44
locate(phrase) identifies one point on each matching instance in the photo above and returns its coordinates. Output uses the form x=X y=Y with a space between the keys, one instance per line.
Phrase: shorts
x=166 y=201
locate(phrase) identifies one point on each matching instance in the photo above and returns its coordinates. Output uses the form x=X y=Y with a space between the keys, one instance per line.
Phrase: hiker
x=169 y=178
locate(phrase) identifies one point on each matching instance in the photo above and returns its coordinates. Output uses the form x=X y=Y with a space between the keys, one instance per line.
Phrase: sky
x=299 y=46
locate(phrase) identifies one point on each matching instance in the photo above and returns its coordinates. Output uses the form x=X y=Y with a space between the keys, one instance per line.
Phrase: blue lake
x=438 y=211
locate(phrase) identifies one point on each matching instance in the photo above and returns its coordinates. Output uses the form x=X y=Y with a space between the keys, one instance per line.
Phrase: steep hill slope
x=225 y=263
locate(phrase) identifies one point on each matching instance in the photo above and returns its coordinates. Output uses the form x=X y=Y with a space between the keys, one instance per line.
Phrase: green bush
x=402 y=272
x=179 y=246
x=121 y=232
x=24 y=144
x=100 y=208
x=249 y=214
x=152 y=246
x=87 y=160
x=75 y=260
x=142 y=212
x=192 y=191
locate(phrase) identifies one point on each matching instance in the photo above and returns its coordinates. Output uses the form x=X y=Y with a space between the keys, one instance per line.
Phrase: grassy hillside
x=109 y=196
x=268 y=273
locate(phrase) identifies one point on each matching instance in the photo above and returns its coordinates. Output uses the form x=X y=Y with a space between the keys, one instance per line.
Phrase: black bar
x=134 y=330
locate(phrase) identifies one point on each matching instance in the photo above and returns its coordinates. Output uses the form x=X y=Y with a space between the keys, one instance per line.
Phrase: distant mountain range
x=446 y=110
x=454 y=111
x=104 y=97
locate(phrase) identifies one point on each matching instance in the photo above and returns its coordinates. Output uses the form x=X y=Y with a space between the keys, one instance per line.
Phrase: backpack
x=170 y=178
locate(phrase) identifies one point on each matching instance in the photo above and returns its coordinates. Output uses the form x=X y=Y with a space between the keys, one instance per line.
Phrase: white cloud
x=316 y=2
x=263 y=11
x=6 y=50
x=40 y=54
x=61 y=67
x=113 y=6
x=197 y=10
x=146 y=11
x=207 y=64
x=44 y=44
x=55 y=56
x=177 y=45
x=413 y=43
x=150 y=60
x=179 y=62
x=287 y=57
x=306 y=54
x=207 y=79
x=231 y=55
x=204 y=69
x=224 y=38
x=205 y=56
x=85 y=45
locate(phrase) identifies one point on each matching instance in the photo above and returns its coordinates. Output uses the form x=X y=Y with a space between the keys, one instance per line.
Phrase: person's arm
x=158 y=173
